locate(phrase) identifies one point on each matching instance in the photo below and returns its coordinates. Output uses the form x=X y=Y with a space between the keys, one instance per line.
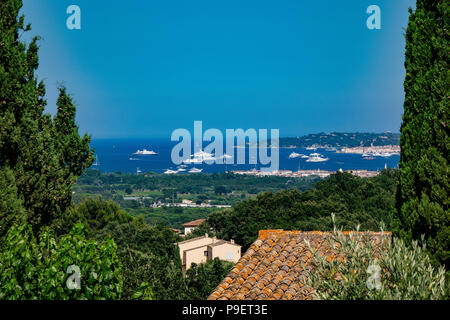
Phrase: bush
x=387 y=271
x=46 y=269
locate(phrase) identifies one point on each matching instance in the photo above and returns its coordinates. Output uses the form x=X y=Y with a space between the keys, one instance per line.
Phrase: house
x=190 y=226
x=276 y=265
x=202 y=249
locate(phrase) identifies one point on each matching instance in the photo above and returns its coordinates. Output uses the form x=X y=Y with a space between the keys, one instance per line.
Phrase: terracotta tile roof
x=194 y=223
x=271 y=269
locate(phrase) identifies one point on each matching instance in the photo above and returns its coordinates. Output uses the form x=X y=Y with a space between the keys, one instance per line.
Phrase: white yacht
x=168 y=171
x=294 y=155
x=317 y=159
x=145 y=152
x=200 y=157
x=195 y=170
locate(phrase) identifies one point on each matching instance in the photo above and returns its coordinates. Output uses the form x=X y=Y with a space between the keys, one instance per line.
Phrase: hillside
x=339 y=140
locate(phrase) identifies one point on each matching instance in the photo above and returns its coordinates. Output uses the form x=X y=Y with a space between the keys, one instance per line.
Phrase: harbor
x=307 y=173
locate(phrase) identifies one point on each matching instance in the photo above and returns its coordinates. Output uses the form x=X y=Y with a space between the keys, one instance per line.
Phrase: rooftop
x=194 y=223
x=271 y=269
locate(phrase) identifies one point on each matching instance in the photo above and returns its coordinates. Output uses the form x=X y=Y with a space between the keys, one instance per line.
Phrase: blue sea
x=117 y=155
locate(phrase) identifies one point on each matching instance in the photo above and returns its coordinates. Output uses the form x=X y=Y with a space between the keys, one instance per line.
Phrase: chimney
x=214 y=239
x=232 y=241
x=206 y=235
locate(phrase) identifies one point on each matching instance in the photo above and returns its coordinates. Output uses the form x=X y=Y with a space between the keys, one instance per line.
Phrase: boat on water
x=193 y=161
x=96 y=163
x=368 y=158
x=195 y=170
x=311 y=148
x=180 y=169
x=138 y=171
x=386 y=154
x=317 y=159
x=315 y=155
x=294 y=155
x=200 y=157
x=145 y=152
x=133 y=159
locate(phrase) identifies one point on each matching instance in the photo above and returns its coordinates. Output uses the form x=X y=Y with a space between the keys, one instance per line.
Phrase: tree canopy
x=422 y=195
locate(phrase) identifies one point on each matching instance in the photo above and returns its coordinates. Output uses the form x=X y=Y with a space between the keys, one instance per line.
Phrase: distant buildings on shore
x=387 y=150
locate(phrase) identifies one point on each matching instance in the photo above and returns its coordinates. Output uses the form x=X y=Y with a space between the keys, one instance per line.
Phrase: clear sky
x=144 y=68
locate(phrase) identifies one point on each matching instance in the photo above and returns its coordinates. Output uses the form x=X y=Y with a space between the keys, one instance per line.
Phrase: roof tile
x=277 y=264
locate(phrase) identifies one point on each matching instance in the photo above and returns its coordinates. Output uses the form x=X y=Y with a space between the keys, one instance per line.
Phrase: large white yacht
x=145 y=152
x=317 y=159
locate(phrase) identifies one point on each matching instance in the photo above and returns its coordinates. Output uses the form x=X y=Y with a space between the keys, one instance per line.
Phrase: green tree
x=203 y=278
x=38 y=269
x=422 y=194
x=11 y=207
x=45 y=155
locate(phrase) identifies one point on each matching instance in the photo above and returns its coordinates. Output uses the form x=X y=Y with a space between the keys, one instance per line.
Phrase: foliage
x=31 y=269
x=363 y=270
x=93 y=213
x=365 y=201
x=150 y=189
x=202 y=279
x=422 y=196
x=147 y=253
x=45 y=155
x=11 y=207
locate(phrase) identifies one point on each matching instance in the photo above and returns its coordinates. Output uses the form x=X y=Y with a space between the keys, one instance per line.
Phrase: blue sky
x=145 y=68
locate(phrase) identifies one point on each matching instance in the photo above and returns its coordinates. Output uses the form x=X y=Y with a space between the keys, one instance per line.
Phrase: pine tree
x=422 y=194
x=45 y=155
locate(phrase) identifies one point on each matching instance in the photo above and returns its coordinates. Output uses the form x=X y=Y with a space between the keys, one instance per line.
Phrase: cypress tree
x=422 y=194
x=45 y=155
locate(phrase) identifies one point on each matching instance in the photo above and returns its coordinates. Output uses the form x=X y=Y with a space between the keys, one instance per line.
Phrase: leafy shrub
x=31 y=269
x=364 y=270
x=203 y=278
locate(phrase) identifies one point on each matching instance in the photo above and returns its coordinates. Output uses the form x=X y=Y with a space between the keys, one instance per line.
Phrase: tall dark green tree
x=45 y=155
x=422 y=195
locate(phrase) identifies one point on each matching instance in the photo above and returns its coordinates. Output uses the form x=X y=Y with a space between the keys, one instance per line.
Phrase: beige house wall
x=227 y=252
x=196 y=256
x=193 y=244
x=193 y=251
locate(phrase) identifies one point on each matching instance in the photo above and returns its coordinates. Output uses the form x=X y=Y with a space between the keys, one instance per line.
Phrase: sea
x=117 y=155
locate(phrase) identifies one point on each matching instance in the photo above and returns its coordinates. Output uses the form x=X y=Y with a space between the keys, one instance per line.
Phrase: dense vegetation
x=339 y=140
x=149 y=189
x=41 y=156
x=365 y=201
x=395 y=272
x=150 y=260
x=46 y=239
x=40 y=160
x=422 y=197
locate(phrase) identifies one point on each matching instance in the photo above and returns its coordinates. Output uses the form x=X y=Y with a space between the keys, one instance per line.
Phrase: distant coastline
x=341 y=140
